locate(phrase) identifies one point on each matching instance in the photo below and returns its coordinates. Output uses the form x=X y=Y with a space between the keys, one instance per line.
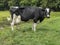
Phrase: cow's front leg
x=34 y=27
x=34 y=24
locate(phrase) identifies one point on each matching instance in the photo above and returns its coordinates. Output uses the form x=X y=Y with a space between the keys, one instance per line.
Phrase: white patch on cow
x=34 y=26
x=40 y=7
x=13 y=21
x=48 y=16
x=47 y=10
x=18 y=19
x=16 y=7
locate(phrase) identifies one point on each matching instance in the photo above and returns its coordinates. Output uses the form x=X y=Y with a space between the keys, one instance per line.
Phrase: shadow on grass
x=25 y=29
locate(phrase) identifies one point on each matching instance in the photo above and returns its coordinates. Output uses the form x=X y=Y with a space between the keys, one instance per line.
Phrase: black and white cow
x=26 y=13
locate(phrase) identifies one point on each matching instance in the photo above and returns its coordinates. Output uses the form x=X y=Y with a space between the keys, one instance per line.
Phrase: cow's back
x=28 y=13
x=31 y=13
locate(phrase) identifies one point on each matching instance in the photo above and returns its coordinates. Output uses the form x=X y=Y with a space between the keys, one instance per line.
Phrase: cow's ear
x=43 y=9
x=21 y=8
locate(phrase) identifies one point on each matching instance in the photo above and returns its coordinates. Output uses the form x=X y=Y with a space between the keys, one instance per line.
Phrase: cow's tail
x=10 y=17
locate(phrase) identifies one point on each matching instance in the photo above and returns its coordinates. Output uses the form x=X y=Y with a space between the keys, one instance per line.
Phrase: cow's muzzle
x=48 y=16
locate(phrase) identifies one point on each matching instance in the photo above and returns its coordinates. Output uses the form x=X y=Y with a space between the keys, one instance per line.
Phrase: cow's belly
x=24 y=19
x=27 y=17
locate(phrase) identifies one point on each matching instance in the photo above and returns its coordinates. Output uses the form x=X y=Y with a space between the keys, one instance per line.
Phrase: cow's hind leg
x=34 y=27
x=13 y=21
x=17 y=21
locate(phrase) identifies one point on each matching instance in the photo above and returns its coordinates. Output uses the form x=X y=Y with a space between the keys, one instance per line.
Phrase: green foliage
x=44 y=3
x=5 y=4
x=53 y=3
x=25 y=2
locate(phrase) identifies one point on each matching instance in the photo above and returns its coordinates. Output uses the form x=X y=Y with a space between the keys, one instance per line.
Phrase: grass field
x=47 y=33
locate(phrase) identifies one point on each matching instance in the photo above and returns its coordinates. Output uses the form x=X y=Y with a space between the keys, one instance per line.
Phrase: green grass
x=47 y=33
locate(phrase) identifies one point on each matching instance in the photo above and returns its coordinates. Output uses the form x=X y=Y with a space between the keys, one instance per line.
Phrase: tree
x=6 y=6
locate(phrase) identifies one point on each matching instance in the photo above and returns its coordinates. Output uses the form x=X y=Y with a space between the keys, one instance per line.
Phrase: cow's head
x=47 y=12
